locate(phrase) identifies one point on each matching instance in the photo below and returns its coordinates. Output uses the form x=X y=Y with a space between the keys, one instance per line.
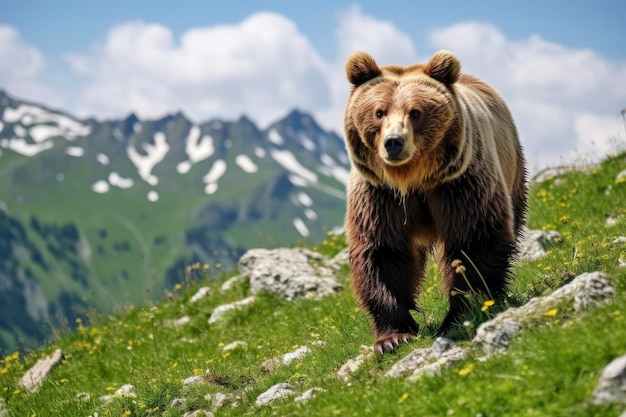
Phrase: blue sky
x=561 y=65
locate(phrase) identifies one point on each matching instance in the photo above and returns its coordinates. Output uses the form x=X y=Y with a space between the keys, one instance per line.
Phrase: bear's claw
x=388 y=342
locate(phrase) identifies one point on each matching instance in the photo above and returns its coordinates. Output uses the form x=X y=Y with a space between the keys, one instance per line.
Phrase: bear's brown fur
x=436 y=163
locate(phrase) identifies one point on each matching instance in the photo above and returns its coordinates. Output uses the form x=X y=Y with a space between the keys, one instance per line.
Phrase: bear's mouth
x=397 y=160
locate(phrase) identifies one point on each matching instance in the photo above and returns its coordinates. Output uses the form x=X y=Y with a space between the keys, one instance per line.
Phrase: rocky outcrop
x=494 y=335
x=289 y=273
x=584 y=290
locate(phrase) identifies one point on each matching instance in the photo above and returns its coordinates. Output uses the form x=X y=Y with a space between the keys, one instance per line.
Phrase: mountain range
x=100 y=215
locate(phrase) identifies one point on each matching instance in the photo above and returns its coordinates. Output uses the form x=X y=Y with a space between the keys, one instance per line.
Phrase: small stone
x=231 y=282
x=177 y=402
x=234 y=345
x=199 y=413
x=298 y=354
x=193 y=380
x=534 y=243
x=219 y=399
x=220 y=311
x=201 y=293
x=276 y=392
x=126 y=390
x=178 y=322
x=33 y=378
x=611 y=221
x=495 y=336
x=620 y=239
x=612 y=385
x=353 y=365
x=309 y=394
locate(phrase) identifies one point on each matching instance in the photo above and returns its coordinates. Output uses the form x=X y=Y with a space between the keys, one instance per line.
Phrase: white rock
x=177 y=402
x=297 y=354
x=193 y=380
x=232 y=282
x=33 y=378
x=309 y=394
x=201 y=293
x=220 y=311
x=289 y=273
x=126 y=390
x=234 y=345
x=534 y=243
x=585 y=290
x=276 y=392
x=428 y=360
x=612 y=385
x=219 y=399
x=177 y=322
x=199 y=413
x=353 y=365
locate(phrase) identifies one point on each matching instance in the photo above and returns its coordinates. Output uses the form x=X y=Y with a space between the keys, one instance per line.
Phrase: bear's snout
x=394 y=144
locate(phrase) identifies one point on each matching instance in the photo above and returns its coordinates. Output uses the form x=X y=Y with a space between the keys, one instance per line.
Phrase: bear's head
x=402 y=123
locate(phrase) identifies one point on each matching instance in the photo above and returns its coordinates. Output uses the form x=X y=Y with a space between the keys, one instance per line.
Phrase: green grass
x=550 y=370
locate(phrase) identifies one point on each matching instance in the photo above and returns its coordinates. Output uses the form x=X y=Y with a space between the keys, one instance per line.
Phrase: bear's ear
x=444 y=67
x=361 y=67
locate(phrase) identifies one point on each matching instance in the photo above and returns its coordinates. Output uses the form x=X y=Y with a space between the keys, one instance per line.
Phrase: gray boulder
x=289 y=273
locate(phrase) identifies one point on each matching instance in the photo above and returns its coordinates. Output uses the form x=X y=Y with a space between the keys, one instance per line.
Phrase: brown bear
x=436 y=164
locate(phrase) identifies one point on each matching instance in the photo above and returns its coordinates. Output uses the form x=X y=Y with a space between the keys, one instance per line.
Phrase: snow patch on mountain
x=215 y=173
x=100 y=187
x=22 y=147
x=259 y=152
x=19 y=131
x=304 y=199
x=41 y=125
x=246 y=164
x=275 y=137
x=298 y=223
x=197 y=149
x=288 y=161
x=103 y=159
x=308 y=144
x=75 y=151
x=154 y=154
x=1 y=126
x=332 y=169
x=153 y=196
x=310 y=214
x=47 y=124
x=117 y=180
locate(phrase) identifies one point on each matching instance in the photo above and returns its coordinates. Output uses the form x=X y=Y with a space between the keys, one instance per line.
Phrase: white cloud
x=19 y=61
x=261 y=66
x=562 y=99
x=356 y=31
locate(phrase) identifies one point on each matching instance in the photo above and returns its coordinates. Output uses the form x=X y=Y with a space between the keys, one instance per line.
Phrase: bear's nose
x=394 y=145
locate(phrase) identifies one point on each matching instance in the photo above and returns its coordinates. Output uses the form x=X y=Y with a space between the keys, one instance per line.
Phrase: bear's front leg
x=385 y=263
x=384 y=280
x=477 y=250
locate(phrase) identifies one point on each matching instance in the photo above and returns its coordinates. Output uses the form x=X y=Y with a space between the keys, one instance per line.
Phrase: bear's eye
x=380 y=114
x=414 y=114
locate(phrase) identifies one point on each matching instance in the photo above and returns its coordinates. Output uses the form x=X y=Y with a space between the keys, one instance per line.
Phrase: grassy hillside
x=550 y=370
